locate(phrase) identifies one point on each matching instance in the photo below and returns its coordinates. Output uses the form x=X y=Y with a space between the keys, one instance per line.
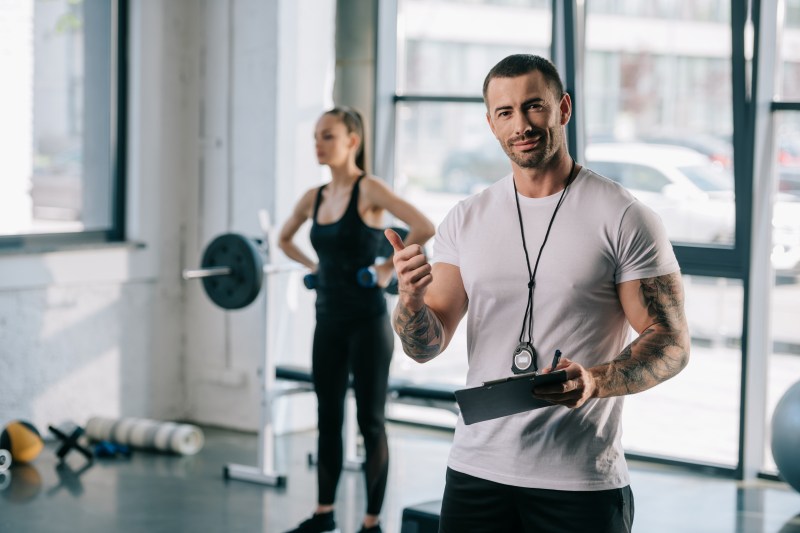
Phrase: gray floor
x=160 y=493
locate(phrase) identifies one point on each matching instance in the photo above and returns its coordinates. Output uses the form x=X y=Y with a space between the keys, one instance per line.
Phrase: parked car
x=467 y=171
x=715 y=149
x=789 y=151
x=789 y=181
x=693 y=196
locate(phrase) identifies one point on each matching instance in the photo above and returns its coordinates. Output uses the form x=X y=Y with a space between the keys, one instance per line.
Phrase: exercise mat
x=183 y=439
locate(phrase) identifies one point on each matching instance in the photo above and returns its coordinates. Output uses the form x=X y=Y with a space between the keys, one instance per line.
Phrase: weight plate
x=239 y=288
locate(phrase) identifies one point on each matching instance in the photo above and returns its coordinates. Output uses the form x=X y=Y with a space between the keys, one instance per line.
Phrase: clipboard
x=503 y=397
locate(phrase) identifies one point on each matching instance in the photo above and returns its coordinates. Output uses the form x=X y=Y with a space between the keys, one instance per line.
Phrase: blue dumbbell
x=367 y=277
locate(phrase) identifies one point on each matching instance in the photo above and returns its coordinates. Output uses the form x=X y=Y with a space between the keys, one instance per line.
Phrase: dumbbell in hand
x=366 y=277
x=310 y=280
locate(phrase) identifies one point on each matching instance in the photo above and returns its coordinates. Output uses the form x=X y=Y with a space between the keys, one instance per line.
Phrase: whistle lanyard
x=527 y=320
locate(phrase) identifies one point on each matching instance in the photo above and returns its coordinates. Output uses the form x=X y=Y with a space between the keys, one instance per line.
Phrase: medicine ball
x=23 y=440
x=786 y=435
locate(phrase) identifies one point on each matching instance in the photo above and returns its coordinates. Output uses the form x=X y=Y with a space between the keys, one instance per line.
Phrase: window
x=62 y=103
x=783 y=341
x=674 y=419
x=445 y=150
x=790 y=52
x=664 y=112
x=663 y=99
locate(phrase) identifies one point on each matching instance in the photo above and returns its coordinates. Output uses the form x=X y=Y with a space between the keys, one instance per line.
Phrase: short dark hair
x=519 y=64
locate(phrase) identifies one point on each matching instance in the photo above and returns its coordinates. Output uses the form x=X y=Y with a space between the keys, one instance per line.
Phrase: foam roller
x=171 y=437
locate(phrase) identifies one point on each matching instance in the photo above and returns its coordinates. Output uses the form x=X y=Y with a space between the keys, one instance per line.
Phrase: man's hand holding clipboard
x=514 y=394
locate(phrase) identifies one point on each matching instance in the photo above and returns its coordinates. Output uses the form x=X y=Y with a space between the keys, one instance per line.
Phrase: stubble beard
x=538 y=157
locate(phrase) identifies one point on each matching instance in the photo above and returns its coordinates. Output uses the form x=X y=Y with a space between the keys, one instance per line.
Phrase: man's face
x=527 y=118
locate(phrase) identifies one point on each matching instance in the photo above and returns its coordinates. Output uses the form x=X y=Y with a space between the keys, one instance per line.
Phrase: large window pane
x=697 y=10
x=790 y=52
x=784 y=359
x=658 y=111
x=445 y=151
x=447 y=47
x=692 y=417
x=56 y=100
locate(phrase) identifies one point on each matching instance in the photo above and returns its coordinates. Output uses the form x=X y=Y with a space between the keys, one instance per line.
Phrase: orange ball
x=22 y=440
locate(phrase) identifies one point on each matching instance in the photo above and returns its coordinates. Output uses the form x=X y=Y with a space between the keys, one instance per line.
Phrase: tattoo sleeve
x=660 y=351
x=420 y=332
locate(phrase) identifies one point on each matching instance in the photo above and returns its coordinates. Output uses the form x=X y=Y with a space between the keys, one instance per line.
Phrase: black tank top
x=344 y=247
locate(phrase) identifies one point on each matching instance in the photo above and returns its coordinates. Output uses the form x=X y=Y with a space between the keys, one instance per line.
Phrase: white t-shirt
x=601 y=236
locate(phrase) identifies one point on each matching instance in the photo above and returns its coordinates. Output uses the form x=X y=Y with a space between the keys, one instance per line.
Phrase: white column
x=759 y=345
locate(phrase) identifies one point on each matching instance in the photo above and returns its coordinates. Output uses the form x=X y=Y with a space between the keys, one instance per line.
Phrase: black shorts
x=474 y=505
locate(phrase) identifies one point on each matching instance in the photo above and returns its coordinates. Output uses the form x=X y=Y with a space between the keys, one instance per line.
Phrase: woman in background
x=353 y=333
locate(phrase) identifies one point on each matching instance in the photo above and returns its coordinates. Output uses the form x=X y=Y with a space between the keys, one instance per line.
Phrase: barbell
x=232 y=270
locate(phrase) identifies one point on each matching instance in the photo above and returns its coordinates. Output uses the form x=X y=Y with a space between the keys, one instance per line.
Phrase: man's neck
x=544 y=181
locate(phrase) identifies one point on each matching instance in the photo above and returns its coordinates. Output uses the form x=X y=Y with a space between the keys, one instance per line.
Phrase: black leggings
x=363 y=347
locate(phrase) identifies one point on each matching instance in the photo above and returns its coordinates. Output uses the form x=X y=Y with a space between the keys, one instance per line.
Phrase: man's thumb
x=394 y=239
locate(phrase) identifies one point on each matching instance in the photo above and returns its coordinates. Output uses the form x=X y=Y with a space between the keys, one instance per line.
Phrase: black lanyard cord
x=527 y=320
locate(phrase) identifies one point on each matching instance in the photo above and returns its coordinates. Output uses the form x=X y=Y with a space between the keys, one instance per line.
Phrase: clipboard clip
x=510 y=378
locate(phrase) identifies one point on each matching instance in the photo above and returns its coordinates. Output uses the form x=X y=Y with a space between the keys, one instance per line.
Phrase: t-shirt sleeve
x=644 y=250
x=445 y=242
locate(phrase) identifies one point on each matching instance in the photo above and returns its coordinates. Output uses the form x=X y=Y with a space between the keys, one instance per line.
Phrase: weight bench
x=294 y=373
x=303 y=382
x=436 y=395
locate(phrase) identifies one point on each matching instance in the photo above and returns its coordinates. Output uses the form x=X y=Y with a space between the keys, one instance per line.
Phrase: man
x=552 y=257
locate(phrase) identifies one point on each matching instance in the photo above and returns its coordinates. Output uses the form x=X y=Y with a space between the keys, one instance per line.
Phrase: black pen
x=556 y=359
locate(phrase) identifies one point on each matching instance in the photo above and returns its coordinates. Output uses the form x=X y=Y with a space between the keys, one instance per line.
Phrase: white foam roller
x=183 y=439
x=99 y=428
x=5 y=460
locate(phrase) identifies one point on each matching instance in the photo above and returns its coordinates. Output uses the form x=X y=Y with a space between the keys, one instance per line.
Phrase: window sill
x=50 y=248
x=76 y=264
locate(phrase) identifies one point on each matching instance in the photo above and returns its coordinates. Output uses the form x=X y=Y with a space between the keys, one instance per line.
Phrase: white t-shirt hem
x=535 y=483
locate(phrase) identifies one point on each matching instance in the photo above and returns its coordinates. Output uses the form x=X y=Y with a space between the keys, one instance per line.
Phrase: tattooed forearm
x=420 y=332
x=659 y=352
